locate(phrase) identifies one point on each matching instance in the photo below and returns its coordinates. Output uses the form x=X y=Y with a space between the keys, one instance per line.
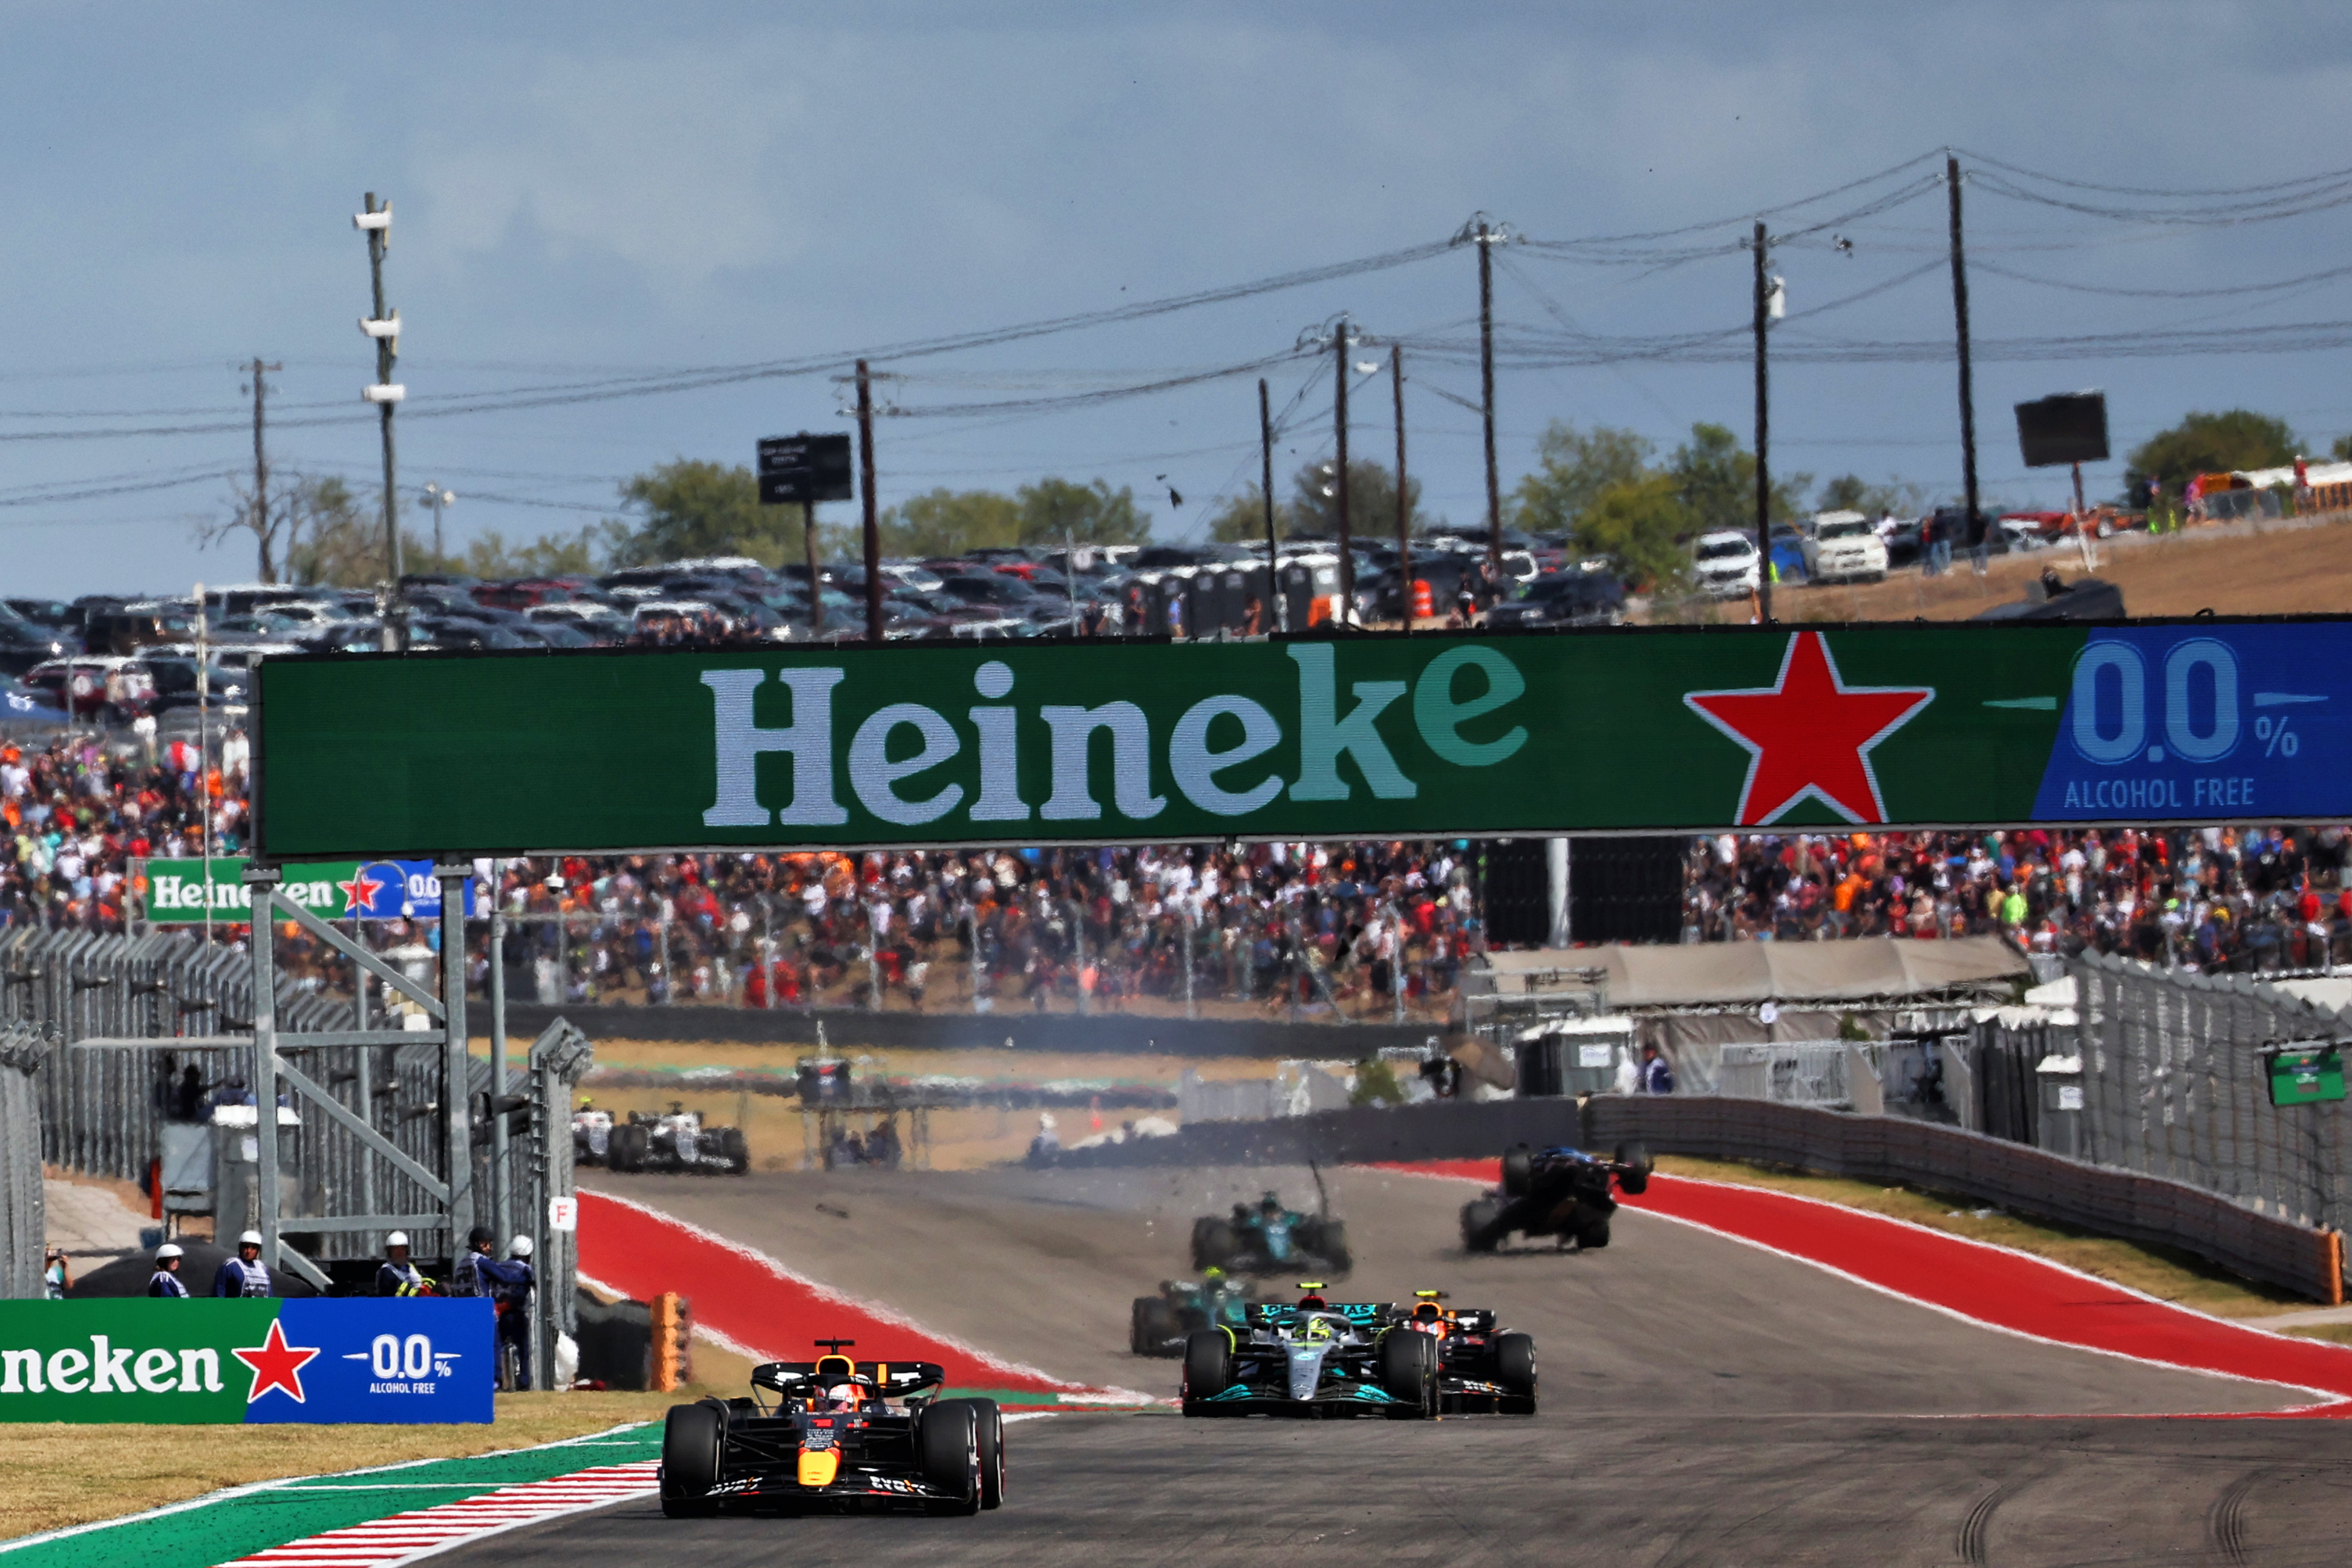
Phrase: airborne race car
x=676 y=1141
x=1559 y=1192
x=1157 y=1324
x=1358 y=1358
x=834 y=1435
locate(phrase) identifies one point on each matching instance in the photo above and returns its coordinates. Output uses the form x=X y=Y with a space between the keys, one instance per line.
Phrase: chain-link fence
x=2175 y=1084
x=23 y=1220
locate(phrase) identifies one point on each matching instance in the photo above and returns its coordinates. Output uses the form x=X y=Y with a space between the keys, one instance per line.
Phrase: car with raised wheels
x=834 y=1436
x=1564 y=1193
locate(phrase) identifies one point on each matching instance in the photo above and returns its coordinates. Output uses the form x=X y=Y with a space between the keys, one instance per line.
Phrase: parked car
x=1565 y=599
x=1843 y=547
x=1726 y=565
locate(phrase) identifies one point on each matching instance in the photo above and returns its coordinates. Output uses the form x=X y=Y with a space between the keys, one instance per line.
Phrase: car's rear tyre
x=1213 y=1243
x=1518 y=1171
x=1594 y=1236
x=627 y=1148
x=1636 y=1155
x=734 y=1151
x=947 y=1451
x=1409 y=1372
x=691 y=1439
x=1479 y=1233
x=1515 y=1364
x=1152 y=1326
x=1208 y=1367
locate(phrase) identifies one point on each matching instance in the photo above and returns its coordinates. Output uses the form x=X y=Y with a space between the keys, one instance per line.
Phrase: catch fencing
x=2276 y=1250
x=2174 y=1084
x=105 y=1110
x=22 y=1217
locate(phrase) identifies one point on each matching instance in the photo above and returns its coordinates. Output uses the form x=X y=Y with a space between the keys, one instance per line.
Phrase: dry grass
x=2231 y=569
x=2162 y=1272
x=53 y=1474
x=2335 y=1334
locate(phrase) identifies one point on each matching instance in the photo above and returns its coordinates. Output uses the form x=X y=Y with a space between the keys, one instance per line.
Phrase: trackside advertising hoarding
x=1617 y=730
x=406 y=1359
x=183 y=892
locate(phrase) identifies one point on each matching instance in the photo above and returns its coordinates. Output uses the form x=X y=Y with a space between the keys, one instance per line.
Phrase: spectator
x=1657 y=1077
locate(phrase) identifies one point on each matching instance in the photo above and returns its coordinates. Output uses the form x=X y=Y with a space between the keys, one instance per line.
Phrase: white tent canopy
x=1744 y=973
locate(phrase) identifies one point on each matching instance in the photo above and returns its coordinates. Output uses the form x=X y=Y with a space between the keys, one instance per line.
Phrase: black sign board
x=2071 y=428
x=804 y=468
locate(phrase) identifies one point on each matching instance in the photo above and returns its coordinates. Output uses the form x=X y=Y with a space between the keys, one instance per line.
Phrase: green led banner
x=1614 y=730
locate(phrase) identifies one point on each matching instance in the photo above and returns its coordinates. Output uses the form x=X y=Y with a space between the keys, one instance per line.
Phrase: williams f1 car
x=1356 y=1358
x=1565 y=1192
x=834 y=1435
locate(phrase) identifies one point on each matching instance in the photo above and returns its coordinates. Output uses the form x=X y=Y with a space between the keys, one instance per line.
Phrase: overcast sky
x=590 y=192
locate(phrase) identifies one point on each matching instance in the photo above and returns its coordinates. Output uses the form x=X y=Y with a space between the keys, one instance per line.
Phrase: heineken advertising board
x=1619 y=730
x=158 y=1362
x=194 y=891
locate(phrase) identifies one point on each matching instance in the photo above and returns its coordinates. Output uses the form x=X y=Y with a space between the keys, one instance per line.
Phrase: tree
x=948 y=522
x=692 y=507
x=1715 y=478
x=1640 y=524
x=329 y=539
x=1573 y=467
x=1242 y=521
x=1371 y=501
x=2342 y=451
x=2207 y=444
x=1054 y=508
x=272 y=533
x=1851 y=493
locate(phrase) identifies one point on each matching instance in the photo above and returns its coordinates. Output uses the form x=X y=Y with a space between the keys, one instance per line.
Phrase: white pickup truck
x=1843 y=547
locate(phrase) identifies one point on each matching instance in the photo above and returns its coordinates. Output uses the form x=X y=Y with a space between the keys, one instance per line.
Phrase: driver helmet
x=1318 y=1329
x=843 y=1397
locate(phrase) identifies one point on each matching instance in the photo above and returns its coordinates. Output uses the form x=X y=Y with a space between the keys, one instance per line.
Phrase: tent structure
x=1748 y=973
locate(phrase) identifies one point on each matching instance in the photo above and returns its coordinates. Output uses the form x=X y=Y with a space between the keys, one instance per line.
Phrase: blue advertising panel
x=2167 y=722
x=388 y=1359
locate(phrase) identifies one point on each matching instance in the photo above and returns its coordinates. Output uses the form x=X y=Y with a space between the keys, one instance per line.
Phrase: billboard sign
x=156 y=1363
x=188 y=892
x=2070 y=428
x=1663 y=730
x=803 y=467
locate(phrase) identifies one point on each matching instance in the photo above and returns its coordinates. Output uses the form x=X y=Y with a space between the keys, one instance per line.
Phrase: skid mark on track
x=1978 y=1525
x=2225 y=1523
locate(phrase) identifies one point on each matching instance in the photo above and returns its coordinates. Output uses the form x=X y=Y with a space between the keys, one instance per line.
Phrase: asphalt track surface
x=1703 y=1403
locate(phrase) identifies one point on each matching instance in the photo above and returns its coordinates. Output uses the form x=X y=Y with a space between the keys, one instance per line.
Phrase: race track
x=1704 y=1403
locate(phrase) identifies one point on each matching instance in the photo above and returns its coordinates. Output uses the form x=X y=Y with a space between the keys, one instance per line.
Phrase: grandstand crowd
x=1357 y=927
x=2241 y=898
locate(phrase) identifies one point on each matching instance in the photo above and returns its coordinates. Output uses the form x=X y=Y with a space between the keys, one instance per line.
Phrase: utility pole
x=384 y=326
x=1404 y=526
x=1340 y=428
x=1279 y=620
x=437 y=497
x=873 y=526
x=1763 y=436
x=808 y=537
x=1967 y=391
x=1488 y=239
x=260 y=473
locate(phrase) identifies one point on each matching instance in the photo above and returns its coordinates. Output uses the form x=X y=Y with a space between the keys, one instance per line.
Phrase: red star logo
x=1810 y=734
x=276 y=1364
x=360 y=892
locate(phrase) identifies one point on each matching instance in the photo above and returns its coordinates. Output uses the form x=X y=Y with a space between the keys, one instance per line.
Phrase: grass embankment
x=54 y=1474
x=2163 y=1272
